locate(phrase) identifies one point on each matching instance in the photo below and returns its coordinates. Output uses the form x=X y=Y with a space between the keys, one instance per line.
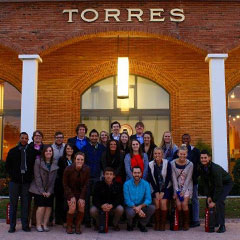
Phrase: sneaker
x=26 y=229
x=11 y=230
x=142 y=228
x=129 y=228
x=46 y=229
x=221 y=229
x=39 y=229
x=195 y=224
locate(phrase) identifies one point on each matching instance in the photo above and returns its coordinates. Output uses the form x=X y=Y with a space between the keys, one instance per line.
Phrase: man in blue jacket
x=137 y=197
x=93 y=154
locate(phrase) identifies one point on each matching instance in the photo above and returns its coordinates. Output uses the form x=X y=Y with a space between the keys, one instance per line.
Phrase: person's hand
x=209 y=200
x=211 y=205
x=110 y=206
x=161 y=195
x=72 y=201
x=48 y=194
x=157 y=195
x=44 y=194
x=181 y=194
x=175 y=196
x=137 y=209
x=105 y=207
x=141 y=214
x=81 y=202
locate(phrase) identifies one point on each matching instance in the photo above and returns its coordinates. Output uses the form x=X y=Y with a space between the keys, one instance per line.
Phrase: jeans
x=17 y=190
x=195 y=204
x=148 y=210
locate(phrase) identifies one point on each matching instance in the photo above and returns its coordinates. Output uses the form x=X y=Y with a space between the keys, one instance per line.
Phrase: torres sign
x=114 y=15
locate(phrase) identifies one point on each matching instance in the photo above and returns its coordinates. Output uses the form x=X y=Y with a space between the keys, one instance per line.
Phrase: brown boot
x=79 y=219
x=185 y=220
x=157 y=219
x=163 y=220
x=180 y=220
x=69 y=223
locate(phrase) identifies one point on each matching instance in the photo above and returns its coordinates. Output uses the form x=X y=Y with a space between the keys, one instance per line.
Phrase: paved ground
x=58 y=233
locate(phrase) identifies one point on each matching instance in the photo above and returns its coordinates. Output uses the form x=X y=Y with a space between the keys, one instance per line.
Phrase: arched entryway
x=147 y=102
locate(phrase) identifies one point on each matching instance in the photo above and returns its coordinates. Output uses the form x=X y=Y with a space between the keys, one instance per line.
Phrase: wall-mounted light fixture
x=123 y=77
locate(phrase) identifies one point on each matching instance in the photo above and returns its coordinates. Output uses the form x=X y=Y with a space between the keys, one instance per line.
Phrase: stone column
x=218 y=108
x=29 y=92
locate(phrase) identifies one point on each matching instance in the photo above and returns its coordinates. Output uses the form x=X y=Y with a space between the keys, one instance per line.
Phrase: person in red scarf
x=136 y=158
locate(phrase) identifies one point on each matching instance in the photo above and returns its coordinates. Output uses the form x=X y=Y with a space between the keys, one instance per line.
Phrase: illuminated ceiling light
x=234 y=119
x=233 y=95
x=123 y=77
x=238 y=116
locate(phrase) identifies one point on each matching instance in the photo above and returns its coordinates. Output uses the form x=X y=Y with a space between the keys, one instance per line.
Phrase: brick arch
x=7 y=74
x=150 y=71
x=232 y=80
x=102 y=32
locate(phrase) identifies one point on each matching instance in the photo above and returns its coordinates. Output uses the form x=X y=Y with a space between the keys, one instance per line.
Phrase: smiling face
x=48 y=153
x=103 y=137
x=205 y=159
x=109 y=176
x=115 y=128
x=79 y=161
x=147 y=139
x=186 y=139
x=81 y=132
x=135 y=146
x=23 y=139
x=37 y=139
x=93 y=138
x=69 y=151
x=182 y=154
x=137 y=173
x=139 y=129
x=167 y=137
x=59 y=139
x=158 y=155
x=113 y=146
x=124 y=138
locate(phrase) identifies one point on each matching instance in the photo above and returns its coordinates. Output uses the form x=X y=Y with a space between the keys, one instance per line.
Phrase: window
x=147 y=102
x=10 y=113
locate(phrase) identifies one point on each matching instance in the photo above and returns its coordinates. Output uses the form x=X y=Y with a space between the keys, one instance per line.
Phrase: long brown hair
x=139 y=150
x=45 y=148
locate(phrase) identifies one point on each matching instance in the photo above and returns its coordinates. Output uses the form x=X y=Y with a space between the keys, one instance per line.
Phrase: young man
x=93 y=153
x=194 y=157
x=137 y=197
x=139 y=127
x=20 y=169
x=215 y=183
x=107 y=197
x=115 y=127
x=79 y=141
x=58 y=145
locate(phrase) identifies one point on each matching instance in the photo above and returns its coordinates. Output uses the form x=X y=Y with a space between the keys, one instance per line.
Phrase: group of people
x=111 y=174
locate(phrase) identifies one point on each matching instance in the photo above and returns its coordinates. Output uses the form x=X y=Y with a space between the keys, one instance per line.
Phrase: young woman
x=64 y=161
x=148 y=144
x=168 y=146
x=45 y=172
x=159 y=176
x=114 y=159
x=75 y=182
x=136 y=158
x=104 y=137
x=182 y=170
x=124 y=143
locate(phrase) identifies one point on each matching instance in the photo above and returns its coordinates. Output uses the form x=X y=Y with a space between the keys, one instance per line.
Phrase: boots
x=163 y=220
x=180 y=220
x=69 y=223
x=79 y=219
x=185 y=220
x=157 y=219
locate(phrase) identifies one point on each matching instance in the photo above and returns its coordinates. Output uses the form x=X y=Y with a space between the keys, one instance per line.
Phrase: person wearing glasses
x=58 y=145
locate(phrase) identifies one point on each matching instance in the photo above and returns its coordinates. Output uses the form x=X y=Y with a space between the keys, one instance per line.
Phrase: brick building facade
x=77 y=54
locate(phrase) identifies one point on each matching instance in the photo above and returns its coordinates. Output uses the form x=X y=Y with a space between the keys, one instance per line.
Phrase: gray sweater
x=188 y=183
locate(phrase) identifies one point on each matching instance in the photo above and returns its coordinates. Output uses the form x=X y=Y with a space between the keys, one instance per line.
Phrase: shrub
x=236 y=178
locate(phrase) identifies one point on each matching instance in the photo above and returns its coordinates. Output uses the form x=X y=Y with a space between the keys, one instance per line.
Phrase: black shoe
x=142 y=228
x=221 y=229
x=11 y=230
x=88 y=224
x=129 y=228
x=195 y=224
x=26 y=229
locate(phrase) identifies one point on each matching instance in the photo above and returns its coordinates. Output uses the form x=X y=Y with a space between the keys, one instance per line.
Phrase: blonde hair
x=158 y=148
x=163 y=144
x=183 y=147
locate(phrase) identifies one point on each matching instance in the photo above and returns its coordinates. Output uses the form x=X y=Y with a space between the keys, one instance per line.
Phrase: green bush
x=236 y=178
x=3 y=172
x=203 y=146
